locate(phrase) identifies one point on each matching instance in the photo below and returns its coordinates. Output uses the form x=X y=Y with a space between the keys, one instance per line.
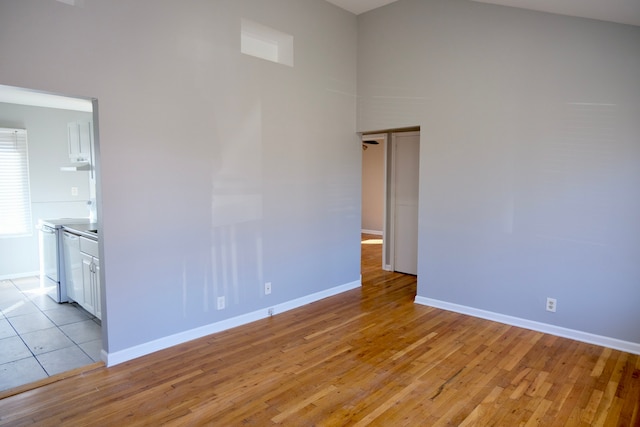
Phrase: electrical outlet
x=267 y=288
x=551 y=304
x=74 y=191
x=220 y=303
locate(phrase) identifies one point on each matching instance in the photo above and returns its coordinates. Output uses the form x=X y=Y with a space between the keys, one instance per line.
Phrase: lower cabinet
x=90 y=300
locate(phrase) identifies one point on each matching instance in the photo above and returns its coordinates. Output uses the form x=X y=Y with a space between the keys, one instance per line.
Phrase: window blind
x=15 y=198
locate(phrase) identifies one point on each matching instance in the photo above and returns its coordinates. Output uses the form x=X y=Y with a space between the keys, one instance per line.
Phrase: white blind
x=15 y=198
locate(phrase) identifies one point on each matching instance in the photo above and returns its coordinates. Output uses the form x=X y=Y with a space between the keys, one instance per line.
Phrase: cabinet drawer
x=89 y=246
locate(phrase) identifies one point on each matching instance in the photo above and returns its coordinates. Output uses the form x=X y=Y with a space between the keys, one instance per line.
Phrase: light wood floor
x=366 y=357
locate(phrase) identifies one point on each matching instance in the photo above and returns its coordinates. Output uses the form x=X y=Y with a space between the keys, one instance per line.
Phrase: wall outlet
x=220 y=303
x=267 y=288
x=74 y=191
x=551 y=304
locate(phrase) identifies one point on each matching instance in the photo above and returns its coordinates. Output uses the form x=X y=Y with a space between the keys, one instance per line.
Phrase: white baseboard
x=376 y=232
x=20 y=275
x=127 y=354
x=629 y=347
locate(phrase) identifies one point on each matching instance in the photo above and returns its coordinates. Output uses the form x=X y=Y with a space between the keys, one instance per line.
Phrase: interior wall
x=373 y=187
x=529 y=155
x=50 y=188
x=219 y=171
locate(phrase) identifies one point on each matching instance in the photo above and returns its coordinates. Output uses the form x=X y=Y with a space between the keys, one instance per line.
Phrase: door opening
x=390 y=166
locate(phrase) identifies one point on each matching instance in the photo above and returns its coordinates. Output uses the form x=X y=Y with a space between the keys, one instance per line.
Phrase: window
x=15 y=199
x=266 y=43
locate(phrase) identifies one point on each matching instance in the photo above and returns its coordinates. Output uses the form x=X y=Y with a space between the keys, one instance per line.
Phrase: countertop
x=83 y=229
x=80 y=226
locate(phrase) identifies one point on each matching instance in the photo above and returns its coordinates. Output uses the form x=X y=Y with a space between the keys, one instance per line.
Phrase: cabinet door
x=88 y=299
x=80 y=135
x=72 y=266
x=97 y=289
x=73 y=140
x=86 y=135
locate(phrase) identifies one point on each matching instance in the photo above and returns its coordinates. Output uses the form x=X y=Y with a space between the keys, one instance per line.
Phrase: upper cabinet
x=80 y=134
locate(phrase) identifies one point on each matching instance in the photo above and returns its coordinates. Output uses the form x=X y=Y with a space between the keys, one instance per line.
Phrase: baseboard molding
x=376 y=232
x=20 y=275
x=121 y=356
x=629 y=347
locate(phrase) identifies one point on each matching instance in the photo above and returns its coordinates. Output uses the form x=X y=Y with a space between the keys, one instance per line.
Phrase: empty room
x=236 y=282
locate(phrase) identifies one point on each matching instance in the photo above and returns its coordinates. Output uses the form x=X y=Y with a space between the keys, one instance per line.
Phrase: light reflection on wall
x=266 y=43
x=236 y=211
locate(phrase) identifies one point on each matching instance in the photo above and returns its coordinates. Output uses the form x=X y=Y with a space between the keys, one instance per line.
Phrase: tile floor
x=39 y=337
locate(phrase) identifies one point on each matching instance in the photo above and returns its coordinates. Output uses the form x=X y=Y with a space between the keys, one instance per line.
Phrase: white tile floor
x=39 y=337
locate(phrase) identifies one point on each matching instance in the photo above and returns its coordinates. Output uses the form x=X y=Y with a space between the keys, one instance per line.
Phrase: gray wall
x=530 y=155
x=50 y=188
x=219 y=171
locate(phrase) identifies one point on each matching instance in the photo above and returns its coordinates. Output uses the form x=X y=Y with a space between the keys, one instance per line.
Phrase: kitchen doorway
x=39 y=337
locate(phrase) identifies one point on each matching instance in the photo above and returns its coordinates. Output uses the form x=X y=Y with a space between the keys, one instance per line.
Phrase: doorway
x=396 y=183
x=39 y=337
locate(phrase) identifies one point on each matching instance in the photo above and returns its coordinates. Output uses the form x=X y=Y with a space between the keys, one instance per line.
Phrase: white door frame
x=391 y=200
x=388 y=233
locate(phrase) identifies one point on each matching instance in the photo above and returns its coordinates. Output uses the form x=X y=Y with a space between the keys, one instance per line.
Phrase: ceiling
x=620 y=11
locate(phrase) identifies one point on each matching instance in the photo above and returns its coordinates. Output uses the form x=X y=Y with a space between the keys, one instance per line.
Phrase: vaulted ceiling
x=620 y=11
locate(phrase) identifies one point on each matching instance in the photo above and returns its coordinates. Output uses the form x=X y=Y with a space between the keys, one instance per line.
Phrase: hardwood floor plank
x=369 y=356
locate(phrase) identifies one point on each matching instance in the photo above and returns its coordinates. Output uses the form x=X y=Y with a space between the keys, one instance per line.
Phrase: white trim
x=385 y=213
x=390 y=197
x=559 y=331
x=387 y=267
x=376 y=232
x=20 y=275
x=134 y=352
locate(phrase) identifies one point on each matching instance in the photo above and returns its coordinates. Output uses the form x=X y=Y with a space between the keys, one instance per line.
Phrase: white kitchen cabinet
x=80 y=136
x=72 y=266
x=90 y=277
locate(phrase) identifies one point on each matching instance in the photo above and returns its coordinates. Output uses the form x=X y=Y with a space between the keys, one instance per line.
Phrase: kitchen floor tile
x=81 y=332
x=26 y=329
x=6 y=330
x=27 y=283
x=8 y=297
x=63 y=360
x=32 y=293
x=20 y=308
x=93 y=349
x=44 y=302
x=13 y=349
x=65 y=315
x=31 y=322
x=19 y=372
x=46 y=341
